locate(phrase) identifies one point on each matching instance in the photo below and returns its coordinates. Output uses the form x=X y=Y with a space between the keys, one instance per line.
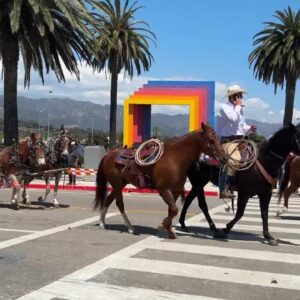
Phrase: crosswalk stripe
x=236 y=239
x=95 y=291
x=273 y=210
x=227 y=252
x=257 y=212
x=249 y=228
x=257 y=278
x=274 y=206
x=258 y=220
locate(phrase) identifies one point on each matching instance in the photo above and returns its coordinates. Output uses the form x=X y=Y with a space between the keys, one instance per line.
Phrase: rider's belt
x=230 y=138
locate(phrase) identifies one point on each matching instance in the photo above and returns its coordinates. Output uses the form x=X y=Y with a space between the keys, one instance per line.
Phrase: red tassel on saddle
x=290 y=156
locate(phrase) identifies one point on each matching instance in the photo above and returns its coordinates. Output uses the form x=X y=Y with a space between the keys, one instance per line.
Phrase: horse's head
x=284 y=141
x=37 y=149
x=212 y=146
x=32 y=150
x=63 y=145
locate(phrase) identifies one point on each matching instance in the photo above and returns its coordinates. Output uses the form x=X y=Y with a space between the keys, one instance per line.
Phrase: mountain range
x=84 y=114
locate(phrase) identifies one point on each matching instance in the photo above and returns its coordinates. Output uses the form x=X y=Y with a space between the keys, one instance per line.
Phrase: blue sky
x=196 y=40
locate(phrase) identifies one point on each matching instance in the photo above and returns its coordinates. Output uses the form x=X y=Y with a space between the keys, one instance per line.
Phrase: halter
x=32 y=149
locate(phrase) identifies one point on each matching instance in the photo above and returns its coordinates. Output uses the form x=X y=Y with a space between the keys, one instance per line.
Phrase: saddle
x=132 y=172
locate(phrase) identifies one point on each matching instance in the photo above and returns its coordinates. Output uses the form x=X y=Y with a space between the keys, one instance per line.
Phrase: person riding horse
x=231 y=125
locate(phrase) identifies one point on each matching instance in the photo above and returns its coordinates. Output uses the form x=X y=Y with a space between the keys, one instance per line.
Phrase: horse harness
x=132 y=172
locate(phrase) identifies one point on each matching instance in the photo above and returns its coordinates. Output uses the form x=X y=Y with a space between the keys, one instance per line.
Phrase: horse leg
x=187 y=202
x=264 y=201
x=25 y=194
x=172 y=212
x=15 y=191
x=120 y=205
x=108 y=201
x=57 y=179
x=287 y=193
x=241 y=205
x=217 y=234
x=47 y=190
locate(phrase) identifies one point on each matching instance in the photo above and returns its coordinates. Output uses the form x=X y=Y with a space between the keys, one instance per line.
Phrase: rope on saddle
x=156 y=149
x=248 y=152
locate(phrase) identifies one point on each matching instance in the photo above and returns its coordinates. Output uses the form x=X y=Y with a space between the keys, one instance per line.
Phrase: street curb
x=93 y=188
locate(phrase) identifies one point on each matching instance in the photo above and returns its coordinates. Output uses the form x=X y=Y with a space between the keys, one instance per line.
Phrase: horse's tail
x=284 y=179
x=101 y=186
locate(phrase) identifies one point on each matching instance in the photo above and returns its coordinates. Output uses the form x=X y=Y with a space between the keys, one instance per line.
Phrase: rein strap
x=270 y=179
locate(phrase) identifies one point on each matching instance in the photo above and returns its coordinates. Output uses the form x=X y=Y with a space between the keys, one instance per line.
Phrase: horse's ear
x=203 y=126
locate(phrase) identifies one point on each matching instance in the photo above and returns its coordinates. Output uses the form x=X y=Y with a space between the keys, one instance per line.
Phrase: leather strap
x=270 y=179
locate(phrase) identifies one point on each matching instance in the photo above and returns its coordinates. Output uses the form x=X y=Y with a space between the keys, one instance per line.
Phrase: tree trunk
x=10 y=67
x=289 y=100
x=113 y=103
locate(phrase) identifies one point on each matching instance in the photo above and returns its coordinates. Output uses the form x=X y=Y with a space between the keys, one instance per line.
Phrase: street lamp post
x=40 y=121
x=48 y=133
x=92 y=137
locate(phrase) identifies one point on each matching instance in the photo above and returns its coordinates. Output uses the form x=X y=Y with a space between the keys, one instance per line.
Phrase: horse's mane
x=25 y=139
x=177 y=139
x=280 y=139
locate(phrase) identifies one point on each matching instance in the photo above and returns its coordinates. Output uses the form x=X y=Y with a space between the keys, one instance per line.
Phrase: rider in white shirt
x=231 y=125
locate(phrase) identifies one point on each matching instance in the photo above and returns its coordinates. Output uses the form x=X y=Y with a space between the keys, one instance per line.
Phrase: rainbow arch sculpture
x=198 y=95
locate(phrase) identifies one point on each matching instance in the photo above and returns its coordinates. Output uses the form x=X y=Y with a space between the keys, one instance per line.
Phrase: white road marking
x=76 y=285
x=277 y=221
x=39 y=234
x=18 y=230
x=227 y=252
x=232 y=275
x=95 y=291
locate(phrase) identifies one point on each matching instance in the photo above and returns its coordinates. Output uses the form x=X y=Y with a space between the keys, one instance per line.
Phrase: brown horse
x=18 y=159
x=289 y=183
x=167 y=175
x=57 y=155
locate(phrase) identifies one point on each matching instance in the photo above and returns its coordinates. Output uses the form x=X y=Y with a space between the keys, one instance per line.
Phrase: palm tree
x=48 y=34
x=124 y=46
x=276 y=59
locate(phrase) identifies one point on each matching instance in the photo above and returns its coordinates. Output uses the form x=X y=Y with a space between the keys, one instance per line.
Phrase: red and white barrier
x=80 y=171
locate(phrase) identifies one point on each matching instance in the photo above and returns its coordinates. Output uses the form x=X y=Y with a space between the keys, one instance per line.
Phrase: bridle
x=211 y=145
x=294 y=139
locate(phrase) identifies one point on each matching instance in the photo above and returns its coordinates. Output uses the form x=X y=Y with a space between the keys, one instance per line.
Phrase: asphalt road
x=61 y=254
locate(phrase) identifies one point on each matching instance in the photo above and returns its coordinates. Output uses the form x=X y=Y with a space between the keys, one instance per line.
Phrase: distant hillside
x=83 y=114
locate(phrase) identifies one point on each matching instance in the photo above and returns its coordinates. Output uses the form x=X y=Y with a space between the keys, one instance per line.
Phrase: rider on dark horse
x=231 y=126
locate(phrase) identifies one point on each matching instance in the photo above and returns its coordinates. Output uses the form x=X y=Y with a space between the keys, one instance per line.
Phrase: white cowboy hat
x=234 y=89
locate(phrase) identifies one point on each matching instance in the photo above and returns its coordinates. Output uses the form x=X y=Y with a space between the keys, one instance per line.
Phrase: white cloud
x=95 y=87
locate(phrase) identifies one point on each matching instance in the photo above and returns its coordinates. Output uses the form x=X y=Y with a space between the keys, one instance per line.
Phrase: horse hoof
x=184 y=228
x=273 y=242
x=15 y=207
x=101 y=226
x=225 y=231
x=219 y=234
x=172 y=235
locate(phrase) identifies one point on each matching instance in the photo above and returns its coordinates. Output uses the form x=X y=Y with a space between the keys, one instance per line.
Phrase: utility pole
x=92 y=137
x=48 y=135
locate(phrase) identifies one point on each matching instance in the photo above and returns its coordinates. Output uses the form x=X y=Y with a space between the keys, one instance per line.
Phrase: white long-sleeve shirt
x=231 y=120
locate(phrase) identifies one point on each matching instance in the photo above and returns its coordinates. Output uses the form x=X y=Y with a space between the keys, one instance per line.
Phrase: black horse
x=271 y=155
